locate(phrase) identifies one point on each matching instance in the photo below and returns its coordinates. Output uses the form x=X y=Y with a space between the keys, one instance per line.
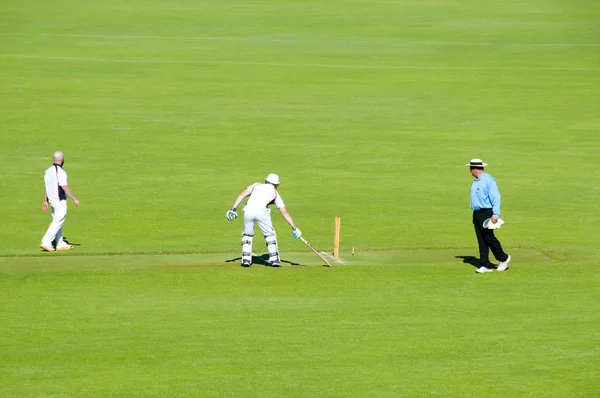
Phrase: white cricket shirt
x=262 y=196
x=54 y=178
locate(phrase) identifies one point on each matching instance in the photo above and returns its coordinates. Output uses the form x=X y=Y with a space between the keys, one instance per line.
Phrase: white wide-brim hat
x=273 y=179
x=493 y=225
x=476 y=163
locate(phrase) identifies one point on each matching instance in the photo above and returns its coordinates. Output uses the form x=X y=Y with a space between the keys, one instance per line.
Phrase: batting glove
x=296 y=233
x=231 y=214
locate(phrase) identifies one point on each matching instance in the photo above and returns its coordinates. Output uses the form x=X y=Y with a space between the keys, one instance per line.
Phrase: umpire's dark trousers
x=486 y=239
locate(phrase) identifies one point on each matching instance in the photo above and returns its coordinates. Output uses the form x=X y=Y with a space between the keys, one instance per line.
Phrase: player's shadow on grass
x=70 y=243
x=263 y=259
x=474 y=261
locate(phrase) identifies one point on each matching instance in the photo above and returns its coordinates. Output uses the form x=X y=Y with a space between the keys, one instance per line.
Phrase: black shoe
x=246 y=263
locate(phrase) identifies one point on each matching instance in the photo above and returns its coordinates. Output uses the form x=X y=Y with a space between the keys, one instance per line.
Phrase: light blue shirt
x=485 y=194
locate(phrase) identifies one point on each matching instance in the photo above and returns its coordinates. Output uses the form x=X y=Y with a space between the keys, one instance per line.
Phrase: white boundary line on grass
x=297 y=65
x=294 y=40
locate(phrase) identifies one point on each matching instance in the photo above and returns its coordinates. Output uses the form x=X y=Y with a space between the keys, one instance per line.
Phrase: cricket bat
x=317 y=252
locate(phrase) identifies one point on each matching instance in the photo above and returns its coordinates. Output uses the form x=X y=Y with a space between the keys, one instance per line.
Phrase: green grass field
x=368 y=110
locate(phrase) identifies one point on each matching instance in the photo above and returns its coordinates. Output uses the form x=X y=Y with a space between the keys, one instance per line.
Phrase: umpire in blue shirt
x=485 y=203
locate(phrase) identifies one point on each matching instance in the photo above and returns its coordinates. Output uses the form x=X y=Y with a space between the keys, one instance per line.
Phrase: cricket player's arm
x=494 y=195
x=246 y=192
x=45 y=204
x=70 y=194
x=287 y=216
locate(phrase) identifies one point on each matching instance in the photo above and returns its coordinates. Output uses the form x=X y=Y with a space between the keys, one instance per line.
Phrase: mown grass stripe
x=301 y=65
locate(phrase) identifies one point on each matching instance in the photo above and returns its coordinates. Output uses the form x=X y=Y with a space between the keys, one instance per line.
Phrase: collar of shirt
x=482 y=177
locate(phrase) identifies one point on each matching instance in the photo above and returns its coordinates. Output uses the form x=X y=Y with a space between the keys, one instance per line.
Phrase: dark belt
x=480 y=210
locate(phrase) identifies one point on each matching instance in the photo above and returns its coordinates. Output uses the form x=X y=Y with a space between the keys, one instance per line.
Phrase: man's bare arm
x=287 y=216
x=241 y=196
x=45 y=204
x=70 y=194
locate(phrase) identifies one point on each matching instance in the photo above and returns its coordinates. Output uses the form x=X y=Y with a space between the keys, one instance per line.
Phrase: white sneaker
x=64 y=246
x=483 y=270
x=504 y=264
x=46 y=247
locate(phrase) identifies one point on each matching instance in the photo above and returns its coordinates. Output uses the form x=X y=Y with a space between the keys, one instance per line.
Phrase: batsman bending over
x=257 y=210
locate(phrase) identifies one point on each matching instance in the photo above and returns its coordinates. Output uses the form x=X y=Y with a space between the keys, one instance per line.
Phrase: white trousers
x=262 y=218
x=59 y=214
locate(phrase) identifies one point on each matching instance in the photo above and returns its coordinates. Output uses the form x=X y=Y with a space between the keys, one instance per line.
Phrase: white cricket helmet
x=273 y=179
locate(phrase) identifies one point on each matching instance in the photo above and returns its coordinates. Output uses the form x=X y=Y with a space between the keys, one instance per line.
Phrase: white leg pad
x=247 y=247
x=272 y=248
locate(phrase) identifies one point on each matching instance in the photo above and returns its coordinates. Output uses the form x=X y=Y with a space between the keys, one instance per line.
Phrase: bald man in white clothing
x=55 y=197
x=257 y=211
